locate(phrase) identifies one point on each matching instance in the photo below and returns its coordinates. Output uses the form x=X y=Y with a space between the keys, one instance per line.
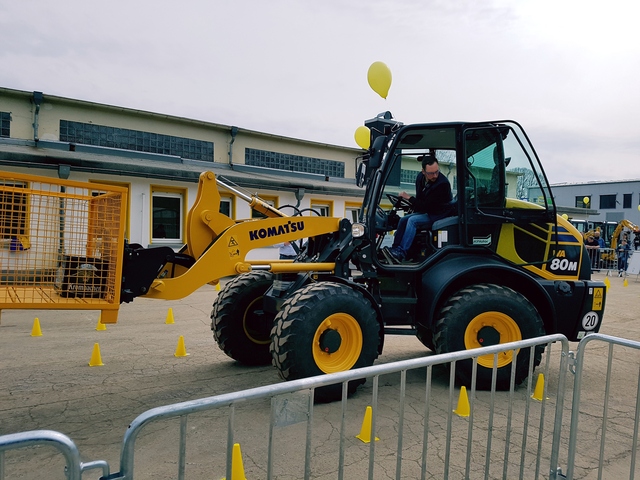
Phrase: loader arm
x=217 y=247
x=226 y=255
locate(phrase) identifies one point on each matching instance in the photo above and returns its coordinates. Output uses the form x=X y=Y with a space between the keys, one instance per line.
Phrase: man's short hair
x=427 y=159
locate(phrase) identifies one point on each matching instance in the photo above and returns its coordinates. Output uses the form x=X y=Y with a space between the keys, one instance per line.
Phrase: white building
x=158 y=159
x=609 y=201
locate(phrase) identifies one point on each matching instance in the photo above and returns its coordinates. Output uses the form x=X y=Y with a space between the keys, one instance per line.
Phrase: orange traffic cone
x=169 y=319
x=36 y=331
x=181 y=350
x=237 y=469
x=96 y=358
x=365 y=430
x=464 y=408
x=538 y=393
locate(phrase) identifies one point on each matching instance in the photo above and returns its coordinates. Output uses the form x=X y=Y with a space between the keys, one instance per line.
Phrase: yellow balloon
x=565 y=216
x=585 y=200
x=363 y=137
x=379 y=77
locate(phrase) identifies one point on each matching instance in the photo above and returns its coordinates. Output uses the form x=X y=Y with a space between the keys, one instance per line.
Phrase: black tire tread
x=299 y=306
x=459 y=301
x=224 y=313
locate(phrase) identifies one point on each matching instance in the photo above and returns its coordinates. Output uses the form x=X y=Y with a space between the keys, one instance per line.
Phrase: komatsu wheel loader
x=503 y=267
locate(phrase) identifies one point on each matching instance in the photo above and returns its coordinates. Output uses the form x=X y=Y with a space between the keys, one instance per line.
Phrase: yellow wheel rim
x=337 y=343
x=491 y=328
x=251 y=325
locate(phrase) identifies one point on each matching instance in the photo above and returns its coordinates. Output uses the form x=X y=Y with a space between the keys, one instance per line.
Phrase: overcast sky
x=567 y=70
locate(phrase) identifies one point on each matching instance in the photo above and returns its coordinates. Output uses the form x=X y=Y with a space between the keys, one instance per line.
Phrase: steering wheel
x=399 y=202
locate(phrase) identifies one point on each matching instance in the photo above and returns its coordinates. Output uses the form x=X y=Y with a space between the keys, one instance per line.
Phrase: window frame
x=580 y=201
x=315 y=204
x=229 y=199
x=158 y=191
x=605 y=200
x=352 y=207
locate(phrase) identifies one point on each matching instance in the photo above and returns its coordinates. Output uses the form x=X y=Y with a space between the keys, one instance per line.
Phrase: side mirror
x=377 y=150
x=361 y=174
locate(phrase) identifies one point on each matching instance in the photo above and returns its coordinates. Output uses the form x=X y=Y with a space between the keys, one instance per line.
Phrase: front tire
x=485 y=315
x=240 y=325
x=325 y=328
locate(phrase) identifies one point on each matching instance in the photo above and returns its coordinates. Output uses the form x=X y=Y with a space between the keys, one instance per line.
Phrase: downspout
x=299 y=196
x=37 y=100
x=233 y=132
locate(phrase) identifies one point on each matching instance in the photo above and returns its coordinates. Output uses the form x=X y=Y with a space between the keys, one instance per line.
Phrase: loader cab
x=496 y=180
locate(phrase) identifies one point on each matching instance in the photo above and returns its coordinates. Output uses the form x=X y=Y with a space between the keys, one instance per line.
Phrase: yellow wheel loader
x=502 y=267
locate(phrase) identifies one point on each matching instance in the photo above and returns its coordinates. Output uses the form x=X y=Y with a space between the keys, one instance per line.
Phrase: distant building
x=159 y=158
x=609 y=201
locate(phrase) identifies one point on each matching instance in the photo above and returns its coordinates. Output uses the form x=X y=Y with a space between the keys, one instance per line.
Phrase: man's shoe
x=391 y=256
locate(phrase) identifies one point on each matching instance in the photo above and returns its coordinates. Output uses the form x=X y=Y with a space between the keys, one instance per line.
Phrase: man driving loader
x=432 y=202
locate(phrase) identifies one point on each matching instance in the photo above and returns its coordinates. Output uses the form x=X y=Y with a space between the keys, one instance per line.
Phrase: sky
x=567 y=70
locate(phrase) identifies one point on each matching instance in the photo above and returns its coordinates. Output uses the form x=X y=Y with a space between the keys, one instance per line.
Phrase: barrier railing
x=617 y=433
x=609 y=260
x=425 y=435
x=422 y=433
x=73 y=466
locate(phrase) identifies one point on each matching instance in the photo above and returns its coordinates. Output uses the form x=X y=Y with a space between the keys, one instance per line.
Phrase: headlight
x=357 y=230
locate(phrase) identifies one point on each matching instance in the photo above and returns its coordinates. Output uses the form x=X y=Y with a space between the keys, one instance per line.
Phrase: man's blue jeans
x=406 y=232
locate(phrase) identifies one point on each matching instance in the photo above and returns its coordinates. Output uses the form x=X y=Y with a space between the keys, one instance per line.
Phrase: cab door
x=503 y=185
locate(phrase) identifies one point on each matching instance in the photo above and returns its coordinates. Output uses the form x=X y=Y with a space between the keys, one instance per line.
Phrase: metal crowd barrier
x=411 y=407
x=490 y=435
x=609 y=260
x=617 y=435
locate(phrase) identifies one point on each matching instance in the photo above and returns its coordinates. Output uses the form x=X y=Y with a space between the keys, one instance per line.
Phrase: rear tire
x=325 y=328
x=484 y=315
x=425 y=335
x=240 y=325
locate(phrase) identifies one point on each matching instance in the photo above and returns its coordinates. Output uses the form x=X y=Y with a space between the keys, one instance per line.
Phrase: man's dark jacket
x=433 y=198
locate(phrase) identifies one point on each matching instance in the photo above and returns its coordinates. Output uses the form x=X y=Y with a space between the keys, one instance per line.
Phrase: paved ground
x=46 y=383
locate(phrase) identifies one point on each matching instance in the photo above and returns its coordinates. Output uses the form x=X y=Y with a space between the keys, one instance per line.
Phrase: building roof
x=593 y=182
x=84 y=158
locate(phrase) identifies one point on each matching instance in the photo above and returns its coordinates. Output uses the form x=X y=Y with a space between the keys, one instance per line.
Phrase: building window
x=167 y=214
x=14 y=211
x=607 y=201
x=5 y=124
x=626 y=200
x=580 y=203
x=409 y=176
x=293 y=163
x=273 y=201
x=226 y=206
x=321 y=208
x=111 y=137
x=351 y=211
